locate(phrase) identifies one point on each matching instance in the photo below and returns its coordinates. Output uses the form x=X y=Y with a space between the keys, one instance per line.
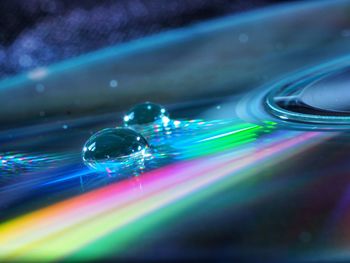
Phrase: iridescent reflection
x=16 y=163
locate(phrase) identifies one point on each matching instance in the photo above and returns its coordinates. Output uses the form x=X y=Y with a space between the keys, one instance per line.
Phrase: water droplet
x=146 y=113
x=113 y=83
x=243 y=38
x=346 y=33
x=40 y=88
x=316 y=96
x=116 y=150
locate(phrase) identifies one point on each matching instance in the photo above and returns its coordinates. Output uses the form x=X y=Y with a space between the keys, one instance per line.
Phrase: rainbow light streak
x=65 y=229
x=226 y=134
x=220 y=139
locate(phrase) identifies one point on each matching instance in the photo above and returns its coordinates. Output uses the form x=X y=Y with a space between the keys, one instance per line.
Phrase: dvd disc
x=224 y=140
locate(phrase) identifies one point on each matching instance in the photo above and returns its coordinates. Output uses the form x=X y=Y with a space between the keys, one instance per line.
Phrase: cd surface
x=244 y=155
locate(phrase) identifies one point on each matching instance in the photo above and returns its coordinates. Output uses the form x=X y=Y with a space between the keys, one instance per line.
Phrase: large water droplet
x=114 y=150
x=330 y=95
x=145 y=113
x=318 y=96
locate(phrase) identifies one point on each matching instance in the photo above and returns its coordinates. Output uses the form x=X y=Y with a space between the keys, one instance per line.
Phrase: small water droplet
x=145 y=113
x=113 y=83
x=40 y=88
x=346 y=33
x=243 y=38
x=116 y=150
